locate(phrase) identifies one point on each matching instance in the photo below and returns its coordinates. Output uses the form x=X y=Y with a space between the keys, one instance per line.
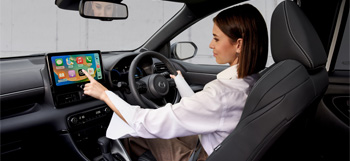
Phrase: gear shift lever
x=105 y=147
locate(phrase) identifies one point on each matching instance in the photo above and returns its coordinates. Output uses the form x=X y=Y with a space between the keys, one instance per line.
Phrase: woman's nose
x=103 y=11
x=211 y=45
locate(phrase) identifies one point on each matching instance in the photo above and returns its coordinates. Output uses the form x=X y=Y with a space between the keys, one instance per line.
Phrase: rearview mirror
x=103 y=10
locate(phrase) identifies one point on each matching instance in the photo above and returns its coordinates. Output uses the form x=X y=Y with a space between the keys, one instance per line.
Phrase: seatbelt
x=195 y=154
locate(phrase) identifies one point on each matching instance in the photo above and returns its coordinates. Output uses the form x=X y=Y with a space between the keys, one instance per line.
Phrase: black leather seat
x=287 y=91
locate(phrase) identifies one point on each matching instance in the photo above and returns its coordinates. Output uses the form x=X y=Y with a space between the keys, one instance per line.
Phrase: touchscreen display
x=67 y=69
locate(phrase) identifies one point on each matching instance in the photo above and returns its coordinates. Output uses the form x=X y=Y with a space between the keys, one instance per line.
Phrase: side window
x=343 y=60
x=201 y=33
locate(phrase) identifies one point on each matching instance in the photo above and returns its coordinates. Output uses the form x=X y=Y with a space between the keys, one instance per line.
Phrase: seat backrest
x=285 y=91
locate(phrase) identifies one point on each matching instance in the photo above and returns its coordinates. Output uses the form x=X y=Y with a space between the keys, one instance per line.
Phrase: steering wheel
x=154 y=86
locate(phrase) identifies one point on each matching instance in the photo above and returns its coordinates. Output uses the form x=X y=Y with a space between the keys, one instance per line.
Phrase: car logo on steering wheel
x=161 y=84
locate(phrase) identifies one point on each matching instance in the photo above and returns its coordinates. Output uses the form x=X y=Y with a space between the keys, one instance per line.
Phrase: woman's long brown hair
x=246 y=22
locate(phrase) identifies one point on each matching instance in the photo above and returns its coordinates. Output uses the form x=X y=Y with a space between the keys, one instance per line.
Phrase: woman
x=240 y=40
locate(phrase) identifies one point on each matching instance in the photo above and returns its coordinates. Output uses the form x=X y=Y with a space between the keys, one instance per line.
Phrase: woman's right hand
x=94 y=88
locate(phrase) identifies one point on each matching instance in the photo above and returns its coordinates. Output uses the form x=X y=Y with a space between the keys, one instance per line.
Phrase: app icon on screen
x=80 y=71
x=80 y=60
x=59 y=62
x=88 y=59
x=61 y=75
x=91 y=71
x=71 y=73
x=69 y=61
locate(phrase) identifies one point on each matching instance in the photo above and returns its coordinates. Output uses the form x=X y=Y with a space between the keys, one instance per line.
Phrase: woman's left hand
x=173 y=76
x=94 y=88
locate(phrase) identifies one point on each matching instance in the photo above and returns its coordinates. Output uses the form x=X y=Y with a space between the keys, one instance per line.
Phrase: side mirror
x=103 y=10
x=184 y=50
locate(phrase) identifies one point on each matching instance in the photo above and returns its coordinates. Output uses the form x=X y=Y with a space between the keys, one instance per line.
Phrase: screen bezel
x=76 y=86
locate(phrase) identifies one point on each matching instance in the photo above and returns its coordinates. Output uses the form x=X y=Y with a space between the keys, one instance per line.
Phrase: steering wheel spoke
x=141 y=86
x=171 y=82
x=149 y=102
x=164 y=101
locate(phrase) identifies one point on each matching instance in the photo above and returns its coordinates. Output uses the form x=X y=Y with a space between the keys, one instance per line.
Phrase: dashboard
x=31 y=122
x=69 y=130
x=67 y=79
x=119 y=72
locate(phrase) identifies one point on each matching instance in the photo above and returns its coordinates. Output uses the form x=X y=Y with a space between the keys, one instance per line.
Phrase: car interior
x=298 y=109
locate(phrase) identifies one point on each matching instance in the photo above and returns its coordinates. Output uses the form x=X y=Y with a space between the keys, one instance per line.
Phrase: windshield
x=32 y=27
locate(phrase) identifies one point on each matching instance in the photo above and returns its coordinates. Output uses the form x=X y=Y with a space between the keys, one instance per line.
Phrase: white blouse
x=213 y=112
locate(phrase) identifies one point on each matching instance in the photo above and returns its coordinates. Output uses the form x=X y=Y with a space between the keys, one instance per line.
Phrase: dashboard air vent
x=160 y=68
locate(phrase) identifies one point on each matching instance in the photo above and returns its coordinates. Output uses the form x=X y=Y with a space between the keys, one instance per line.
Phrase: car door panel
x=198 y=75
x=330 y=128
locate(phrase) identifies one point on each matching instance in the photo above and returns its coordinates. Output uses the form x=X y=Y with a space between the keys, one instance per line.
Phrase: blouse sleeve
x=199 y=114
x=184 y=89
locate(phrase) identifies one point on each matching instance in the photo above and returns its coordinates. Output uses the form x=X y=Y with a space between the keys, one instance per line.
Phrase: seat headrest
x=294 y=37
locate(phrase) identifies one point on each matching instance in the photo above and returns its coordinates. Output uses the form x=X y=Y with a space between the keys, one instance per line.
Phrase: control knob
x=74 y=120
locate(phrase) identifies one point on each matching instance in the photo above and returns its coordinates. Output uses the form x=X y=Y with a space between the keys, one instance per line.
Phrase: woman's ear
x=239 y=45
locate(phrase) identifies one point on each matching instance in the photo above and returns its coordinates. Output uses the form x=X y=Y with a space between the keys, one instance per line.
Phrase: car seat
x=287 y=91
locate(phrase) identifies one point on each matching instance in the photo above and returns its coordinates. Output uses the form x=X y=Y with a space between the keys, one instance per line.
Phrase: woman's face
x=224 y=49
x=102 y=9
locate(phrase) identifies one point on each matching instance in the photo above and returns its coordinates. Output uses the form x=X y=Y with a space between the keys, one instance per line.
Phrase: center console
x=88 y=125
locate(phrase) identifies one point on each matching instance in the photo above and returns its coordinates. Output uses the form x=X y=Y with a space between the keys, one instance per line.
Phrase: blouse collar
x=229 y=73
